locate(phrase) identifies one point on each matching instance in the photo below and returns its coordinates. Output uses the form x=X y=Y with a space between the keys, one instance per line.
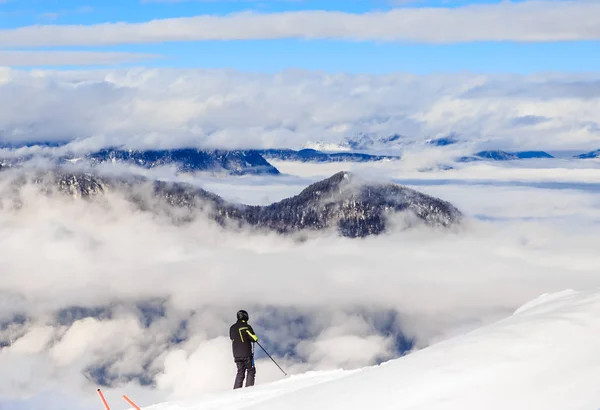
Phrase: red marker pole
x=103 y=400
x=128 y=400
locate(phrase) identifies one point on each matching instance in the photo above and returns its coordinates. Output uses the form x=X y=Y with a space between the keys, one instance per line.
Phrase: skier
x=242 y=342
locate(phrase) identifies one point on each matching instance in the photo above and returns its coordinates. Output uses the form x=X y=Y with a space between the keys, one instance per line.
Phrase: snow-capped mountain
x=589 y=155
x=354 y=208
x=368 y=142
x=189 y=159
x=325 y=146
x=498 y=155
x=311 y=155
x=444 y=141
x=234 y=162
x=364 y=142
x=543 y=357
x=256 y=161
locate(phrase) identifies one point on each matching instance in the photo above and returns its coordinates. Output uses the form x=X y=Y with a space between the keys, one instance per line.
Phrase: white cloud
x=224 y=108
x=55 y=15
x=68 y=58
x=348 y=342
x=531 y=21
x=34 y=341
x=332 y=302
x=184 y=373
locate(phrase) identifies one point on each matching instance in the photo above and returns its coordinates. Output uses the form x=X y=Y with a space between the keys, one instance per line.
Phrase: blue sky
x=274 y=54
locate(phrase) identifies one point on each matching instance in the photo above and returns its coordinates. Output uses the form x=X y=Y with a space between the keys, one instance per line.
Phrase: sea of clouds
x=100 y=292
x=170 y=108
x=155 y=299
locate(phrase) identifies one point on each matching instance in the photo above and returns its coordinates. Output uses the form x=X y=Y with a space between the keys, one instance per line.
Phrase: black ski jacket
x=242 y=336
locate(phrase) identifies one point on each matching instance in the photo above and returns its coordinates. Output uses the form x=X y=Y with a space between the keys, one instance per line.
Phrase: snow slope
x=545 y=356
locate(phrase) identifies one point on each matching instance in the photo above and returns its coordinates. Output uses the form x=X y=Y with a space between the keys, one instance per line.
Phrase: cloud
x=349 y=342
x=538 y=90
x=68 y=58
x=55 y=15
x=526 y=120
x=530 y=21
x=164 y=108
x=159 y=298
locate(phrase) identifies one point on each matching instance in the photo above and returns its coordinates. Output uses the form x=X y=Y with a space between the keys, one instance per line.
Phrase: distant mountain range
x=312 y=155
x=352 y=207
x=189 y=159
x=256 y=161
x=234 y=162
x=442 y=142
x=369 y=142
x=505 y=156
x=588 y=155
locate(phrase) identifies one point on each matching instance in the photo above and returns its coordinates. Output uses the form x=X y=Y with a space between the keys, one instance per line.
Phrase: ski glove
x=253 y=336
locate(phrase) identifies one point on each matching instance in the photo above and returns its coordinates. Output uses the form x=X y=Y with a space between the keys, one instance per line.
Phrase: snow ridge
x=546 y=357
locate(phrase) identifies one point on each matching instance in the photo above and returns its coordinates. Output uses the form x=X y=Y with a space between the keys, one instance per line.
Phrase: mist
x=172 y=108
x=100 y=293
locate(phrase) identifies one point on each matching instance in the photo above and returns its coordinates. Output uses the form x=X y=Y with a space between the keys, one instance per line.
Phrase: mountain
x=354 y=208
x=363 y=142
x=24 y=144
x=189 y=160
x=588 y=155
x=505 y=156
x=543 y=357
x=312 y=155
x=442 y=142
x=16 y=161
x=532 y=154
x=325 y=146
x=234 y=162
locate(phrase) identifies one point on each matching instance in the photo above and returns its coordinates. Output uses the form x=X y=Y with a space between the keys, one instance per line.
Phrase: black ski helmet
x=242 y=315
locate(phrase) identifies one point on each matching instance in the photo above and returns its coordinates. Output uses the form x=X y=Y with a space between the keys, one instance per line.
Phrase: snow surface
x=545 y=356
x=325 y=146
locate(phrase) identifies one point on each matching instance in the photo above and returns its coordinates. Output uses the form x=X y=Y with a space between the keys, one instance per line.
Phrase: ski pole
x=271 y=357
x=128 y=400
x=103 y=399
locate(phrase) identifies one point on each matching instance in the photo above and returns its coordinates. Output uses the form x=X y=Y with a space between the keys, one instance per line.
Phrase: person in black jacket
x=242 y=342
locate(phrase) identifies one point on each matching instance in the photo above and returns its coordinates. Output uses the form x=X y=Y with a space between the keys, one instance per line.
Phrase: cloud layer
x=163 y=108
x=530 y=21
x=109 y=293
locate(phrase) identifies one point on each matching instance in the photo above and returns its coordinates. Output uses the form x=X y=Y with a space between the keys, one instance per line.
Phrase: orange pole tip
x=128 y=400
x=103 y=399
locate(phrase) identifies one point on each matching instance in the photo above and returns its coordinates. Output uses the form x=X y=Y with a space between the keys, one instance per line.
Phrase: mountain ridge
x=313 y=155
x=499 y=155
x=342 y=202
x=233 y=162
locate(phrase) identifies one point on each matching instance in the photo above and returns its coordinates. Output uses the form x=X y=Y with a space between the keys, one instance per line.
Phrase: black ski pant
x=244 y=365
